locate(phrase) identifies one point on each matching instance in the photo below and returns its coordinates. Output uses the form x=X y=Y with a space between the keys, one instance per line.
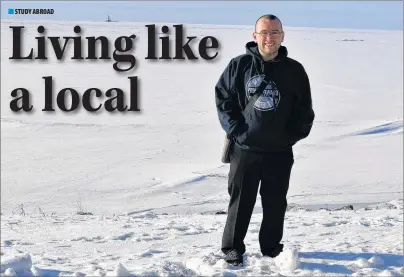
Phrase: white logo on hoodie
x=270 y=97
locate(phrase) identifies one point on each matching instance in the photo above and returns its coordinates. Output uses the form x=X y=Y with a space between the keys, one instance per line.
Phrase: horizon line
x=200 y=24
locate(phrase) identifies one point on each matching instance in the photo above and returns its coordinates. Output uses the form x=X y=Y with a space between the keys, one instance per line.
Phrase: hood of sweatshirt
x=259 y=63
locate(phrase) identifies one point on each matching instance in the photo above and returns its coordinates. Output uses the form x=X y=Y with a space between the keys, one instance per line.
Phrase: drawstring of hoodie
x=262 y=71
x=272 y=96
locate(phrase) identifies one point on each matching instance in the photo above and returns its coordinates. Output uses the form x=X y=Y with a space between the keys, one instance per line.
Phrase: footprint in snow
x=180 y=228
x=121 y=237
x=335 y=223
x=149 y=238
x=151 y=252
x=8 y=243
x=88 y=239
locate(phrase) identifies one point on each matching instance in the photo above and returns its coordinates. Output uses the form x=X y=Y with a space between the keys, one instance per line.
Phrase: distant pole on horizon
x=109 y=19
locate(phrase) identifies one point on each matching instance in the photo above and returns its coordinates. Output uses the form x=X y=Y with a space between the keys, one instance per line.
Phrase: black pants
x=247 y=170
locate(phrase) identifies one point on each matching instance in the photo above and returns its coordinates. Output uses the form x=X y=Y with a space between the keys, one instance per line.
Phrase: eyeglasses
x=275 y=33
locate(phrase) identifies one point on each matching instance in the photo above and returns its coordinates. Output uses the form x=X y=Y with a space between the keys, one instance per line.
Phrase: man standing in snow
x=262 y=153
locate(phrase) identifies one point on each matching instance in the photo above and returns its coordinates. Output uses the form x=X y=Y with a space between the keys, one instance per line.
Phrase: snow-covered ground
x=361 y=242
x=150 y=186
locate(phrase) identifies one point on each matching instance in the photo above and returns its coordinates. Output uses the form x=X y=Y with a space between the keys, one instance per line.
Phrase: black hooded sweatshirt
x=283 y=113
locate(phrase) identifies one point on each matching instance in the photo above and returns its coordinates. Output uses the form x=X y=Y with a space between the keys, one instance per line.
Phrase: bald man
x=262 y=156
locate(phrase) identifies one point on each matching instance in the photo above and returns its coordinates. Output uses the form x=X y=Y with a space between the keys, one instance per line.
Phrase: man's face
x=268 y=35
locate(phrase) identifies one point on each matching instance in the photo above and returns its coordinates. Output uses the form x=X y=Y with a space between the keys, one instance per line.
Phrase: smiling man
x=268 y=36
x=281 y=114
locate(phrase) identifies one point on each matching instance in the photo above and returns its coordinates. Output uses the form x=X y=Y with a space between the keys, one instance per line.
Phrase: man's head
x=268 y=35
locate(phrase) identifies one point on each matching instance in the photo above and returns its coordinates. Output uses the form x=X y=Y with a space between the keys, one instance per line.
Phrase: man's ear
x=283 y=36
x=254 y=36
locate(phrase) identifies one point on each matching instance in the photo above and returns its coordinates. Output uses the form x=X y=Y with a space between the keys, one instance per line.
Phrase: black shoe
x=274 y=252
x=234 y=258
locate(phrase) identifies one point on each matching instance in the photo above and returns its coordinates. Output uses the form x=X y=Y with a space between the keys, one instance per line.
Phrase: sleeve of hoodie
x=303 y=115
x=228 y=109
